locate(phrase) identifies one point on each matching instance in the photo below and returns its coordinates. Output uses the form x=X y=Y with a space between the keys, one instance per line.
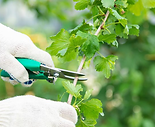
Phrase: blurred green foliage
x=128 y=95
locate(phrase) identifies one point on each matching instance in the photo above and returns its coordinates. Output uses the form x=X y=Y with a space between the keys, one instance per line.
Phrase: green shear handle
x=33 y=68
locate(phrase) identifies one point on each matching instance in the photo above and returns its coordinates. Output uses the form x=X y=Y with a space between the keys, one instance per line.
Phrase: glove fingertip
x=28 y=83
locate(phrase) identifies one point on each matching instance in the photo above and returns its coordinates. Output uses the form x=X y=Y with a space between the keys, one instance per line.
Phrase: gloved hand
x=31 y=111
x=14 y=44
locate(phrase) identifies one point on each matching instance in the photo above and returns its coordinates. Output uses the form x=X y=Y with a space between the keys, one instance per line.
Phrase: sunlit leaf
x=71 y=89
x=60 y=42
x=91 y=110
x=149 y=3
x=105 y=64
x=87 y=94
x=107 y=3
x=81 y=4
x=137 y=8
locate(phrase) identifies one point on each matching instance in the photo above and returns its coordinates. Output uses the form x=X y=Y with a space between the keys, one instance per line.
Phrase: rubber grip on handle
x=30 y=65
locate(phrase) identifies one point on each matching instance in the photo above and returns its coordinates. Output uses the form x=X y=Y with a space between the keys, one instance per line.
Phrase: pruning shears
x=38 y=70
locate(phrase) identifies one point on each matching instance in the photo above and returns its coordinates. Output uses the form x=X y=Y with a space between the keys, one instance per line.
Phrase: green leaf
x=90 y=46
x=71 y=89
x=132 y=1
x=91 y=110
x=148 y=3
x=120 y=31
x=82 y=4
x=87 y=94
x=107 y=3
x=137 y=8
x=69 y=56
x=60 y=42
x=126 y=30
x=121 y=19
x=74 y=45
x=62 y=52
x=84 y=27
x=95 y=12
x=109 y=28
x=105 y=64
x=86 y=123
x=75 y=42
x=114 y=43
x=108 y=38
x=112 y=59
x=134 y=30
x=101 y=64
x=122 y=3
x=92 y=1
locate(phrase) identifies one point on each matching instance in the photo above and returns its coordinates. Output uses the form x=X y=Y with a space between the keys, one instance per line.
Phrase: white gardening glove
x=14 y=44
x=31 y=111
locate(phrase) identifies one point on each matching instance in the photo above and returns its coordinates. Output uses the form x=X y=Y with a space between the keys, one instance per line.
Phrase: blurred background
x=128 y=96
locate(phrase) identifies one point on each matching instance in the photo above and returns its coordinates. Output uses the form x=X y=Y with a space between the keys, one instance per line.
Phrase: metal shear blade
x=61 y=73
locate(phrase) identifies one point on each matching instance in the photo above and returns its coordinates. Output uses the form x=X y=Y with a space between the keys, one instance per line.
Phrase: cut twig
x=84 y=57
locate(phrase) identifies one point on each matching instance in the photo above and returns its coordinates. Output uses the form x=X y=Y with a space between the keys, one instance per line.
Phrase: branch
x=76 y=78
x=84 y=57
x=102 y=24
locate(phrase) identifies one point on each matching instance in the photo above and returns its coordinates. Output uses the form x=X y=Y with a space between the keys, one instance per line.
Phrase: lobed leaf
x=120 y=31
x=121 y=19
x=75 y=42
x=126 y=30
x=69 y=56
x=60 y=42
x=87 y=94
x=101 y=64
x=71 y=89
x=72 y=50
x=108 y=38
x=107 y=3
x=84 y=27
x=95 y=12
x=105 y=64
x=81 y=4
x=115 y=43
x=90 y=46
x=134 y=30
x=122 y=3
x=148 y=3
x=137 y=8
x=86 y=123
x=112 y=59
x=91 y=110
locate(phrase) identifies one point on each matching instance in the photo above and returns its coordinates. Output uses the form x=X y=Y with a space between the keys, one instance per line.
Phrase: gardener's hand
x=14 y=44
x=31 y=111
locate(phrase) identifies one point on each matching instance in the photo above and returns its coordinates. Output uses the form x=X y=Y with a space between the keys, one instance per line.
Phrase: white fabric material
x=15 y=44
x=31 y=111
